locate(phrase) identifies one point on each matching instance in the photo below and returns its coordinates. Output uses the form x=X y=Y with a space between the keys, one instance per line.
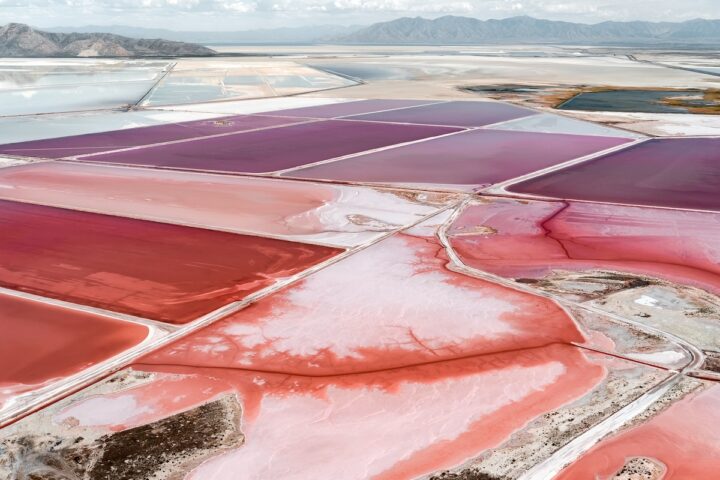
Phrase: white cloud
x=239 y=14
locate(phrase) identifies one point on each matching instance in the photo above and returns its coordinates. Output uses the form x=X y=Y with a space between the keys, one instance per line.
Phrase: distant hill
x=18 y=40
x=265 y=36
x=465 y=30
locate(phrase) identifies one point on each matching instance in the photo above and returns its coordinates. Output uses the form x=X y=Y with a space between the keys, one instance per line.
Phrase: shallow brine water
x=645 y=101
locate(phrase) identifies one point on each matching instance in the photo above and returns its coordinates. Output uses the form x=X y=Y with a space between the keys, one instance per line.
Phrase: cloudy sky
x=251 y=14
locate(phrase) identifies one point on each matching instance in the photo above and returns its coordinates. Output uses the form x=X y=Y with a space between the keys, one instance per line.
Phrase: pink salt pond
x=432 y=416
x=529 y=239
x=153 y=270
x=679 y=443
x=390 y=360
x=391 y=305
x=674 y=172
x=467 y=160
x=43 y=344
x=321 y=213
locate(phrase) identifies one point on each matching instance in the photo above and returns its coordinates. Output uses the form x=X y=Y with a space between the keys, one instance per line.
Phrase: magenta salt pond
x=134 y=137
x=274 y=149
x=471 y=159
x=680 y=173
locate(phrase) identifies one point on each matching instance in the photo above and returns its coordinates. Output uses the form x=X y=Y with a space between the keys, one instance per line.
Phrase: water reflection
x=237 y=82
x=645 y=101
x=33 y=86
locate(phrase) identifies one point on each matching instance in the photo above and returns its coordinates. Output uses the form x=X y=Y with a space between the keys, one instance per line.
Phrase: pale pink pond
x=529 y=239
x=460 y=114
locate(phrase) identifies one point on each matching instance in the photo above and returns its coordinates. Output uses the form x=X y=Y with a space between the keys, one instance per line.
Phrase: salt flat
x=343 y=262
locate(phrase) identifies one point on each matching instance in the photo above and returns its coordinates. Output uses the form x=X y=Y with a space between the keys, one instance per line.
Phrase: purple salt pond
x=460 y=114
x=133 y=137
x=471 y=159
x=349 y=108
x=274 y=149
x=680 y=173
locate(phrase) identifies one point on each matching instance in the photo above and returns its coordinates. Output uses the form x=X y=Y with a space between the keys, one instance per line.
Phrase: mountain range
x=286 y=35
x=22 y=40
x=18 y=40
x=453 y=30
